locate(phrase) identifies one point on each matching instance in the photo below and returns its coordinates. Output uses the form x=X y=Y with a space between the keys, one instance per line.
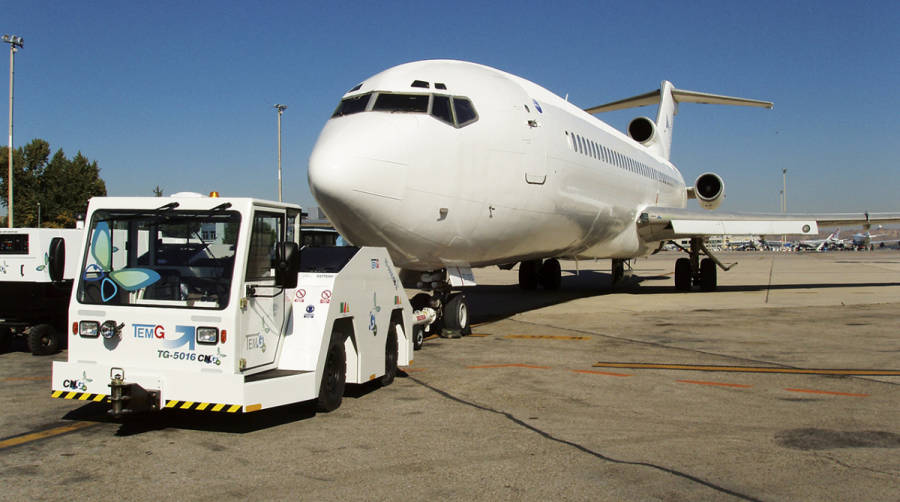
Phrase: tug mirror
x=287 y=264
x=56 y=257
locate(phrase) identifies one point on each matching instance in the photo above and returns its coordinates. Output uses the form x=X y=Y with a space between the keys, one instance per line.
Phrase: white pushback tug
x=206 y=303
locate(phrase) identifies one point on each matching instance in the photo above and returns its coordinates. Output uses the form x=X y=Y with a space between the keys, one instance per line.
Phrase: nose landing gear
x=452 y=308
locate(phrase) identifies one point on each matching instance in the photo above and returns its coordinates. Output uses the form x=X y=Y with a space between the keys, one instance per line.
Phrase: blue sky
x=181 y=94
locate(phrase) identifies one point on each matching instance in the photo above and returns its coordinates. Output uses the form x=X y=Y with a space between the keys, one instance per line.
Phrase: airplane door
x=535 y=152
x=263 y=319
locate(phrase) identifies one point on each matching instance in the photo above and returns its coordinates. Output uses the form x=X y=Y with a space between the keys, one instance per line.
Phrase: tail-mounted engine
x=709 y=190
x=642 y=130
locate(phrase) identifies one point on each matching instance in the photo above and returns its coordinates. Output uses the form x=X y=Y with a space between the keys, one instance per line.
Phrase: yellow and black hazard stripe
x=78 y=396
x=198 y=406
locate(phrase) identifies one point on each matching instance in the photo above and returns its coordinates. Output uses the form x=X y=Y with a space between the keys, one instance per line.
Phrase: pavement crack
x=512 y=418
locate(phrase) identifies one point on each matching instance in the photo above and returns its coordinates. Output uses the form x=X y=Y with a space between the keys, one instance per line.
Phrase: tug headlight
x=108 y=329
x=208 y=336
x=89 y=329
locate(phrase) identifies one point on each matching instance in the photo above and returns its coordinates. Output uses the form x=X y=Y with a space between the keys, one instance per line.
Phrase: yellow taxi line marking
x=547 y=337
x=478 y=334
x=512 y=365
x=716 y=384
x=34 y=436
x=430 y=337
x=747 y=369
x=830 y=393
x=607 y=373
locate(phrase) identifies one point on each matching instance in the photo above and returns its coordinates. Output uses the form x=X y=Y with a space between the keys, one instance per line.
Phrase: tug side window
x=267 y=230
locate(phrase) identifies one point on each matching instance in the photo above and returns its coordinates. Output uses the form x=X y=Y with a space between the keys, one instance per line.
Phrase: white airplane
x=819 y=244
x=864 y=240
x=452 y=165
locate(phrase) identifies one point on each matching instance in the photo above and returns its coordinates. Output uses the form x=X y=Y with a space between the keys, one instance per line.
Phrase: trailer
x=36 y=277
x=203 y=303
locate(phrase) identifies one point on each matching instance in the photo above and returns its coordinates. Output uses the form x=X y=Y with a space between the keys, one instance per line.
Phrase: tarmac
x=783 y=384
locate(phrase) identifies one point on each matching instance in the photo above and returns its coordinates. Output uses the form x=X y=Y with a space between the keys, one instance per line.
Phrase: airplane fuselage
x=528 y=176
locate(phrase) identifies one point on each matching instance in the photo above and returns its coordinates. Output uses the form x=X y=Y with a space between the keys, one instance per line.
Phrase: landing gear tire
x=390 y=354
x=418 y=337
x=707 y=275
x=683 y=274
x=529 y=272
x=43 y=340
x=5 y=339
x=456 y=316
x=551 y=274
x=334 y=376
x=618 y=271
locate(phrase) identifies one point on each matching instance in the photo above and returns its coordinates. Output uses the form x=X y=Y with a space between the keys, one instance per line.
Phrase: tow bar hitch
x=127 y=398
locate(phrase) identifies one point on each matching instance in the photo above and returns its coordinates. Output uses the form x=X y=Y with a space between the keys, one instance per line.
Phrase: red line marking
x=607 y=373
x=830 y=393
x=514 y=365
x=716 y=384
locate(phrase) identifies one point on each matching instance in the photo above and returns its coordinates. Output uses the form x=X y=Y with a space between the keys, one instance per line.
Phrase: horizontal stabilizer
x=680 y=96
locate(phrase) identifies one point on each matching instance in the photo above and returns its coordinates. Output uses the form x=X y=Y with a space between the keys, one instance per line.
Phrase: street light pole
x=14 y=44
x=281 y=109
x=784 y=190
x=783 y=198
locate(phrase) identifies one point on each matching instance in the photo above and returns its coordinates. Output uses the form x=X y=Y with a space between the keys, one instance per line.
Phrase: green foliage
x=158 y=192
x=61 y=185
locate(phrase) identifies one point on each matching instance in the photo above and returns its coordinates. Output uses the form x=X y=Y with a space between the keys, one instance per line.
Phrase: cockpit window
x=440 y=108
x=465 y=112
x=404 y=103
x=454 y=111
x=351 y=105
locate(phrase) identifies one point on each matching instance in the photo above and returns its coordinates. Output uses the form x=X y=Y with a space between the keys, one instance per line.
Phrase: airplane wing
x=666 y=223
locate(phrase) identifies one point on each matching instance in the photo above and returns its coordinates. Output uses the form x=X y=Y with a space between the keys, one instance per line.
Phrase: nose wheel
x=452 y=309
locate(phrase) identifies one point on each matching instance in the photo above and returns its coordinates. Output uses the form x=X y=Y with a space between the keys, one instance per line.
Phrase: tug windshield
x=159 y=258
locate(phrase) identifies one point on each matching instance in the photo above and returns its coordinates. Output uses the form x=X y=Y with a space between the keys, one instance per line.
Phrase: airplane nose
x=356 y=173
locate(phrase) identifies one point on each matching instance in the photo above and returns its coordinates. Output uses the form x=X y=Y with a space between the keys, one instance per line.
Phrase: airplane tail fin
x=668 y=97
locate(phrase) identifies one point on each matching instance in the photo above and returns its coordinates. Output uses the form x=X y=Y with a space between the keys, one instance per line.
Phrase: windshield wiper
x=167 y=207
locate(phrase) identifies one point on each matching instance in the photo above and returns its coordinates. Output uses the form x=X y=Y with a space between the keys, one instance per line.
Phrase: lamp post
x=783 y=197
x=15 y=43
x=281 y=109
x=784 y=190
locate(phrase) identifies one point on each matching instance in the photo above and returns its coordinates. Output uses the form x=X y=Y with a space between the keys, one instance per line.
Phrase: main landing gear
x=547 y=273
x=693 y=271
x=452 y=309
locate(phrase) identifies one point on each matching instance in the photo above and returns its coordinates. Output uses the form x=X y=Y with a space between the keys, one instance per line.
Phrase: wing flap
x=663 y=223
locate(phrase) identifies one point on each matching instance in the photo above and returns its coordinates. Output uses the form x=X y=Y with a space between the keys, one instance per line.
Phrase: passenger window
x=440 y=109
x=465 y=112
x=403 y=103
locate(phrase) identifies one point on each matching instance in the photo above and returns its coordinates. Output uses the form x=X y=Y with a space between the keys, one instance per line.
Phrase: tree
x=158 y=192
x=62 y=186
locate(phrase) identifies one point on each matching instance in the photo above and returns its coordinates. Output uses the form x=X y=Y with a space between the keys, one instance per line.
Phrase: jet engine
x=709 y=189
x=642 y=130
